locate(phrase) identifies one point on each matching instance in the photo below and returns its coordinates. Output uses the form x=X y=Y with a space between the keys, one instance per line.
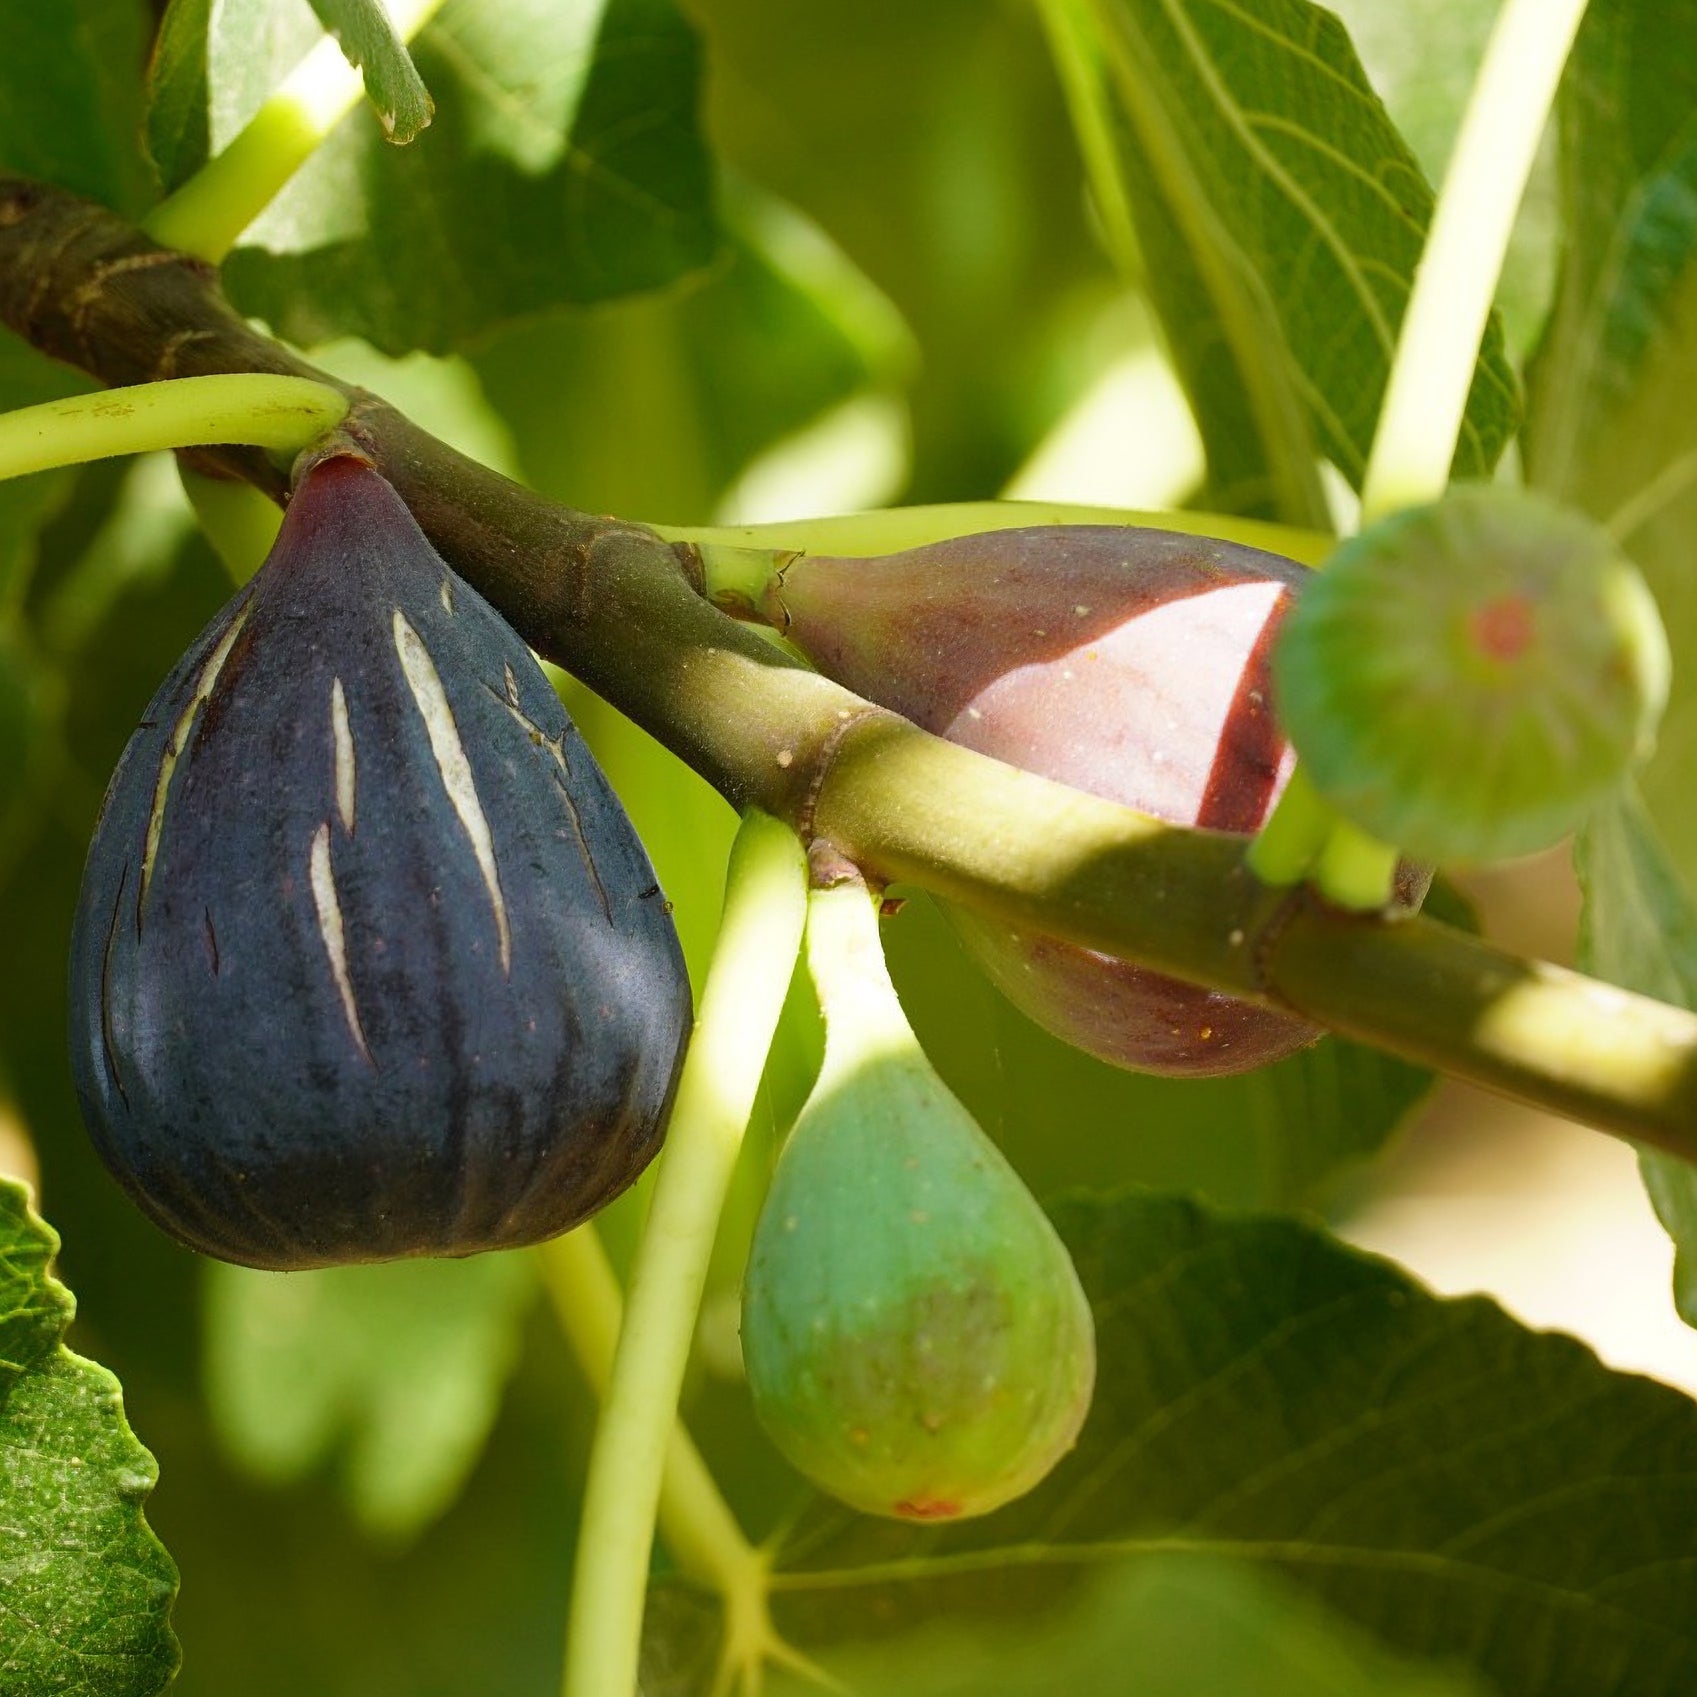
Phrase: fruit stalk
x=695 y=1520
x=612 y=603
x=280 y=414
x=1456 y=280
x=765 y=905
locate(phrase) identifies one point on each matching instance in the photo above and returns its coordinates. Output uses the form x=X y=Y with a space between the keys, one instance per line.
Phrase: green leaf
x=706 y=379
x=1458 y=1487
x=71 y=96
x=1182 y=1626
x=26 y=503
x=85 y=1587
x=1638 y=929
x=392 y=83
x=1612 y=428
x=564 y=166
x=397 y=1369
x=1280 y=217
x=1422 y=59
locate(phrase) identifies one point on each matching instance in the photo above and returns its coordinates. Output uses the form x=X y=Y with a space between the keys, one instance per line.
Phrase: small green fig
x=1468 y=679
x=914 y=1333
x=1131 y=663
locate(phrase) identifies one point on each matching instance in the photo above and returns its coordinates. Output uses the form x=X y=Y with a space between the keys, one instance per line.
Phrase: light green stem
x=209 y=212
x=282 y=414
x=1288 y=845
x=740 y=1003
x=238 y=521
x=892 y=529
x=1432 y=373
x=1456 y=280
x=1356 y=871
x=695 y=1520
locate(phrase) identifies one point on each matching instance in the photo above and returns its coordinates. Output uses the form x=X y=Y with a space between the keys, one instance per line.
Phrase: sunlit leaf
x=1277 y=216
x=563 y=166
x=1639 y=930
x=392 y=82
x=705 y=378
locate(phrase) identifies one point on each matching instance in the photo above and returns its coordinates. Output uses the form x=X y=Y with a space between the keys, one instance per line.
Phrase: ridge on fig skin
x=400 y=981
x=1132 y=664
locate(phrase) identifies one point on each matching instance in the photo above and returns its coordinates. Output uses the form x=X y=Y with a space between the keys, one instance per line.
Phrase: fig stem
x=1285 y=849
x=759 y=939
x=277 y=413
x=1456 y=278
x=208 y=213
x=740 y=579
x=889 y=530
x=864 y=1021
x=1355 y=871
x=695 y=1520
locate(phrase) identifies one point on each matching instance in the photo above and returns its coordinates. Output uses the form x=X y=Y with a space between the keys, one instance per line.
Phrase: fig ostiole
x=368 y=959
x=914 y=1333
x=1134 y=664
x=1469 y=678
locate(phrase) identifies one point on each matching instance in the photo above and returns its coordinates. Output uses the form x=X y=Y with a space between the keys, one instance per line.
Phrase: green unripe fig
x=1468 y=679
x=1130 y=663
x=914 y=1333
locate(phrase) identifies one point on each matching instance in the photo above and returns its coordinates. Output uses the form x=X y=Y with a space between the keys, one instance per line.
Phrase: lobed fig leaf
x=915 y=1336
x=368 y=960
x=1468 y=679
x=1130 y=663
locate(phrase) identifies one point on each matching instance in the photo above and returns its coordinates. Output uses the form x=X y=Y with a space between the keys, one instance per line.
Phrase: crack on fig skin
x=779 y=578
x=106 y=1043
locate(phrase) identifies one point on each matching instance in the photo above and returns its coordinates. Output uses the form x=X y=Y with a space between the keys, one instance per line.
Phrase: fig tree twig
x=619 y=606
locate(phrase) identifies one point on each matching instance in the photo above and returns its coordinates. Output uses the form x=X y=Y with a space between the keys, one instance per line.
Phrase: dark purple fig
x=369 y=961
x=1130 y=663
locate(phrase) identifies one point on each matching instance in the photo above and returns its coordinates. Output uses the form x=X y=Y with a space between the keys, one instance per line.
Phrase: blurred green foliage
x=872 y=247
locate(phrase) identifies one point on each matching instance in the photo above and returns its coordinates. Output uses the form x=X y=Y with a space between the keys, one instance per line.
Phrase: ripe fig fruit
x=368 y=961
x=1469 y=678
x=915 y=1337
x=1133 y=664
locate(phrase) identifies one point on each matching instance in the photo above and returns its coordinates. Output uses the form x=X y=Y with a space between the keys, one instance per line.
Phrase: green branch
x=621 y=608
x=281 y=414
